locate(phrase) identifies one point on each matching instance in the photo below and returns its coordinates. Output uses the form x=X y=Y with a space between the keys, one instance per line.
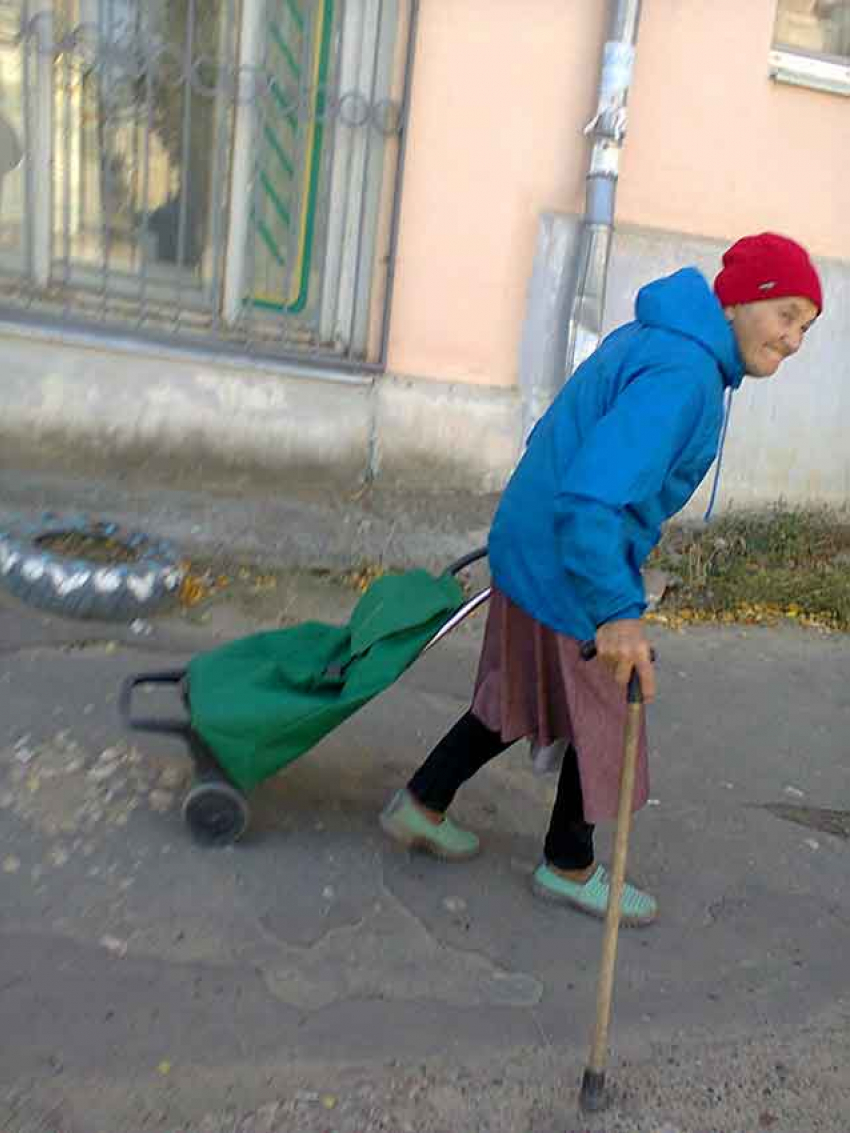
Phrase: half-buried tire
x=132 y=576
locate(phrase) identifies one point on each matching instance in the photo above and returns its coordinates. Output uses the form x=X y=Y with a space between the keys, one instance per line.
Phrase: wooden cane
x=592 y=1097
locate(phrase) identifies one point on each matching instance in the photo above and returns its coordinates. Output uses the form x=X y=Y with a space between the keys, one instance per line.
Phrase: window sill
x=810 y=71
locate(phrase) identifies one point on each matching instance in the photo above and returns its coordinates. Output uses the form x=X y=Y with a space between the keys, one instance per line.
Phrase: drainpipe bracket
x=605 y=160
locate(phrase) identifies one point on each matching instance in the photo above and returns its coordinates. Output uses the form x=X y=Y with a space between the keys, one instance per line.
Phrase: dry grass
x=786 y=563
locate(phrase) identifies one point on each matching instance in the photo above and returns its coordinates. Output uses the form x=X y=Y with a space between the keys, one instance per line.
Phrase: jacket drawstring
x=727 y=411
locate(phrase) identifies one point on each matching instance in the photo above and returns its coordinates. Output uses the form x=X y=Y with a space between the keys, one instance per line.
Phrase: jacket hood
x=684 y=304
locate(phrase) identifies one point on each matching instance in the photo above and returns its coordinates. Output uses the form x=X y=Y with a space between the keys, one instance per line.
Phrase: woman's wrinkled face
x=770 y=331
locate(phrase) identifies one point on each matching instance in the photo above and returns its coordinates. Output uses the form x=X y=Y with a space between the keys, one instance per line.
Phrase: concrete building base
x=98 y=403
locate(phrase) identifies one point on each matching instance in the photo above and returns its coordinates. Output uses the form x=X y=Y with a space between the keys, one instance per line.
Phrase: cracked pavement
x=317 y=978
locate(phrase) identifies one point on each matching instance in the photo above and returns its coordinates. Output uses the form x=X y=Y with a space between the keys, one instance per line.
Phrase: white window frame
x=809 y=69
x=357 y=171
x=38 y=77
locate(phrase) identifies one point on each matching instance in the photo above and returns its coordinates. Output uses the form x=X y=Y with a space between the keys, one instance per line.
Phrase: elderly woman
x=622 y=449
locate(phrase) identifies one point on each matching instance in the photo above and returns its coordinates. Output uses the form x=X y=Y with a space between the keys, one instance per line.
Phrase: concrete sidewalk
x=318 y=979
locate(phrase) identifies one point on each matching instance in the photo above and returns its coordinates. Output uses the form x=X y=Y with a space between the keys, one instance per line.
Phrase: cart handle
x=458 y=616
x=466 y=560
x=164 y=726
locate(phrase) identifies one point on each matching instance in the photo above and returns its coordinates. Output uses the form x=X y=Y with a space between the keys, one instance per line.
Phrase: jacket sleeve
x=656 y=423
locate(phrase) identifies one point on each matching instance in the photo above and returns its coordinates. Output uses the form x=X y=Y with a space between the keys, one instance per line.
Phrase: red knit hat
x=767 y=266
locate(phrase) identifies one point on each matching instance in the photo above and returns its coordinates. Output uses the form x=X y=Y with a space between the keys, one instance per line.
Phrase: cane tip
x=592 y=1097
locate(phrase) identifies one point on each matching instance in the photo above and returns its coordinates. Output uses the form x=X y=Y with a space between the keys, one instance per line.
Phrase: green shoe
x=637 y=908
x=402 y=819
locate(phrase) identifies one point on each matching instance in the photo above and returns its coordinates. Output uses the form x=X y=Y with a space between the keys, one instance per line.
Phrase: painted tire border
x=80 y=588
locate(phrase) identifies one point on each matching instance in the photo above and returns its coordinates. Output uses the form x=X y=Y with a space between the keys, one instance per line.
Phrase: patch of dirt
x=74 y=796
x=95 y=548
x=267 y=596
x=703 y=1085
x=828 y=821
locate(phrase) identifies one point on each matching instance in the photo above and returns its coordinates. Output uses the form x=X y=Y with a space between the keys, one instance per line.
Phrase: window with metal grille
x=811 y=44
x=219 y=172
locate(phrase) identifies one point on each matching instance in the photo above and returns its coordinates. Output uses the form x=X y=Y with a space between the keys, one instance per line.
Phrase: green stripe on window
x=290 y=115
x=278 y=151
x=285 y=50
x=280 y=208
x=270 y=243
x=296 y=13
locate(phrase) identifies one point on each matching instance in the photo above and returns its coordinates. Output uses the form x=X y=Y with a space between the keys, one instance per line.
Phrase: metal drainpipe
x=608 y=129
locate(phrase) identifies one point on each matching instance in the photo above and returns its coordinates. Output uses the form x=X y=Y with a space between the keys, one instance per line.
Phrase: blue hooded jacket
x=621 y=449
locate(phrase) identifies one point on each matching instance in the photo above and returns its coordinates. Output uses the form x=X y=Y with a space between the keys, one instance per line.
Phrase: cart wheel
x=216 y=813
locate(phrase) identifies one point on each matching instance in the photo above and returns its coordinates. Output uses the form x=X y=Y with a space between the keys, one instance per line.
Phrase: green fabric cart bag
x=263 y=700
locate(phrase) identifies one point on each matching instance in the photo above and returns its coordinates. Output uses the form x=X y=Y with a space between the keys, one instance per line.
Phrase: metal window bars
x=217 y=173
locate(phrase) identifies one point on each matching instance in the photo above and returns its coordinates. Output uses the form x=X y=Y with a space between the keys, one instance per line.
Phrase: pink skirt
x=532 y=682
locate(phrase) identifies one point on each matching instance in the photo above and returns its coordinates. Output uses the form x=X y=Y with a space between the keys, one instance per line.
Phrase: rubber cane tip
x=592 y=1097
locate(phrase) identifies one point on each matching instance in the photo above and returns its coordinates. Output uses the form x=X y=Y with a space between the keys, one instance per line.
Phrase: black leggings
x=465 y=749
